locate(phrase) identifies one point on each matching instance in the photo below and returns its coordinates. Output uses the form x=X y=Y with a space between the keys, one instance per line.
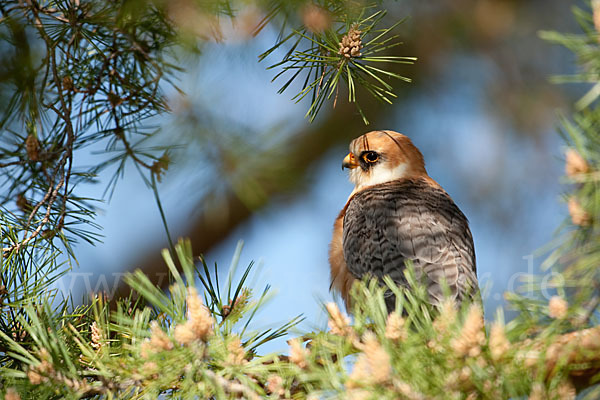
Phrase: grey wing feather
x=388 y=224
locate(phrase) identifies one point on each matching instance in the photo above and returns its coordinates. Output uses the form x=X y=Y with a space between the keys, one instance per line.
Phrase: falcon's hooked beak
x=349 y=162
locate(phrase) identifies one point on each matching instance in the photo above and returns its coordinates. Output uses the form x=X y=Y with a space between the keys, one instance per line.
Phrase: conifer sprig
x=575 y=254
x=92 y=76
x=349 y=50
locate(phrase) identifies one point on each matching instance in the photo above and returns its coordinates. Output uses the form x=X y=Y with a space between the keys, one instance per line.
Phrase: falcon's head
x=382 y=156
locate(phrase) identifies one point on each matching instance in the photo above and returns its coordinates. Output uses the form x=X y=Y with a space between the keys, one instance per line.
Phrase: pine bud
x=472 y=335
x=67 y=83
x=240 y=303
x=558 y=307
x=159 y=339
x=3 y=293
x=315 y=18
x=199 y=325
x=378 y=358
x=11 y=394
x=339 y=323
x=596 y=14
x=39 y=373
x=578 y=215
x=184 y=334
x=35 y=378
x=351 y=44
x=298 y=354
x=372 y=366
x=96 y=336
x=575 y=164
x=498 y=343
x=566 y=391
x=198 y=315
x=275 y=385
x=48 y=234
x=446 y=317
x=538 y=392
x=23 y=204
x=32 y=145
x=395 y=329
x=236 y=352
x=114 y=99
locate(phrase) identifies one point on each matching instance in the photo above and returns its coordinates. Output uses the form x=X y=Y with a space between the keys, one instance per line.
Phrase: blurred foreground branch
x=181 y=346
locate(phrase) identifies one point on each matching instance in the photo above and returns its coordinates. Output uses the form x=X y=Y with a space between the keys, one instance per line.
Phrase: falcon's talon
x=398 y=213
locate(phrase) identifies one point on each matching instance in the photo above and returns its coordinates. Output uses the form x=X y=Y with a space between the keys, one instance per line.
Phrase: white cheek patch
x=377 y=174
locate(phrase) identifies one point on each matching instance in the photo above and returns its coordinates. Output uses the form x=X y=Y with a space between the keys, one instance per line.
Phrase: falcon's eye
x=370 y=157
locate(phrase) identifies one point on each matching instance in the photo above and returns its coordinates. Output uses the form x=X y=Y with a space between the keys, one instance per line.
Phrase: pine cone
x=351 y=44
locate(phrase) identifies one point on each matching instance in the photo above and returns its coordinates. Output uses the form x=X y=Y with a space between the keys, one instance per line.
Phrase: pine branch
x=339 y=51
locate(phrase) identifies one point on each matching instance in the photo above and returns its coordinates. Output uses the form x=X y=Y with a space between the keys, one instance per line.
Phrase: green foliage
x=175 y=346
x=140 y=349
x=577 y=252
x=27 y=281
x=76 y=76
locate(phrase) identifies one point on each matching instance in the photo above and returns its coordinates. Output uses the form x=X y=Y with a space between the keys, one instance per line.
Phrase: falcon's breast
x=410 y=219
